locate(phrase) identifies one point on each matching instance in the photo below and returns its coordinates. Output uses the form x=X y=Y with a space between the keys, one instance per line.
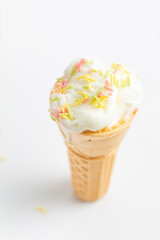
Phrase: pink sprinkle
x=80 y=64
x=110 y=94
x=64 y=84
x=90 y=72
x=136 y=109
x=58 y=84
x=58 y=91
x=85 y=101
x=107 y=83
x=58 y=110
x=100 y=94
x=115 y=71
x=109 y=88
x=55 y=115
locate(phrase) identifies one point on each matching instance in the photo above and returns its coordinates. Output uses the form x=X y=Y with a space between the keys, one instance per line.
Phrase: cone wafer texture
x=92 y=157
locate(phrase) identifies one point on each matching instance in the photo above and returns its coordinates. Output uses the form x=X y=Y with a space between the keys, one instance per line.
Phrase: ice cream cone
x=92 y=156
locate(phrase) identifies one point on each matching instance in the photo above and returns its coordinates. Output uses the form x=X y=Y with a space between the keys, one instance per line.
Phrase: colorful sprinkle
x=99 y=91
x=54 y=99
x=64 y=89
x=109 y=88
x=2 y=158
x=108 y=73
x=101 y=73
x=87 y=100
x=58 y=110
x=128 y=81
x=73 y=71
x=86 y=77
x=57 y=91
x=93 y=70
x=103 y=97
x=78 y=101
x=115 y=71
x=107 y=83
x=69 y=113
x=41 y=209
x=88 y=87
x=80 y=64
x=59 y=79
x=56 y=115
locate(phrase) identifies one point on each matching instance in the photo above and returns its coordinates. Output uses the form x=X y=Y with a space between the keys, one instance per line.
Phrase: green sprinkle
x=93 y=70
x=117 y=83
x=87 y=87
x=90 y=62
x=63 y=114
x=108 y=73
x=73 y=70
x=52 y=118
x=99 y=91
x=95 y=97
x=54 y=99
x=68 y=87
x=59 y=79
x=69 y=113
x=92 y=100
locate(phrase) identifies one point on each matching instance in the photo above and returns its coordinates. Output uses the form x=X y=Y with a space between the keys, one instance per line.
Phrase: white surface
x=39 y=38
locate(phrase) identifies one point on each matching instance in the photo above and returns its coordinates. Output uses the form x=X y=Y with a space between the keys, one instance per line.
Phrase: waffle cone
x=92 y=156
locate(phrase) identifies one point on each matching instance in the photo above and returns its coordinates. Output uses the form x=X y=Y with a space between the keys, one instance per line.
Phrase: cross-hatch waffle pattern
x=90 y=177
x=92 y=156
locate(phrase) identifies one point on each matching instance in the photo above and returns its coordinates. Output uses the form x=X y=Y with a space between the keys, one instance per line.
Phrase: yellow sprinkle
x=83 y=93
x=101 y=73
x=2 y=158
x=123 y=83
x=80 y=77
x=117 y=83
x=64 y=117
x=114 y=65
x=48 y=110
x=108 y=73
x=114 y=80
x=86 y=77
x=64 y=106
x=79 y=101
x=69 y=113
x=41 y=209
x=103 y=97
x=125 y=70
x=111 y=82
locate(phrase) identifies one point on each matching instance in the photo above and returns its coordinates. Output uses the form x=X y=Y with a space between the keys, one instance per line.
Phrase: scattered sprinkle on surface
x=41 y=209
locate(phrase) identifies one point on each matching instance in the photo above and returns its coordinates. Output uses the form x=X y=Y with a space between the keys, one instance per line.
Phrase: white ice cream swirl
x=91 y=95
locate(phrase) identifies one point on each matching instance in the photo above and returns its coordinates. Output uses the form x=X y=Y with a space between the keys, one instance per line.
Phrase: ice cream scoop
x=92 y=95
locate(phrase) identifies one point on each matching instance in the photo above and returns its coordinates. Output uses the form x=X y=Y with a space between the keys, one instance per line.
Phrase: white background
x=38 y=40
